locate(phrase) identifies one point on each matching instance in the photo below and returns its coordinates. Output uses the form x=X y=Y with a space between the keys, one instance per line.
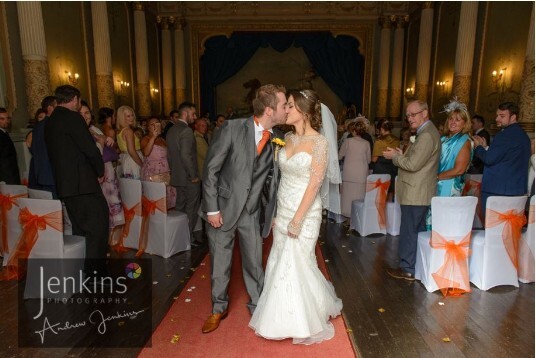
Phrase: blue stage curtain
x=336 y=60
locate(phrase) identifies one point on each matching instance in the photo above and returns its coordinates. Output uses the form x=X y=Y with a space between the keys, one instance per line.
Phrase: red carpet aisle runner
x=179 y=333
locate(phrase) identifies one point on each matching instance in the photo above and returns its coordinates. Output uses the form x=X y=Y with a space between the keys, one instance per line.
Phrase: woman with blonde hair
x=129 y=144
x=456 y=152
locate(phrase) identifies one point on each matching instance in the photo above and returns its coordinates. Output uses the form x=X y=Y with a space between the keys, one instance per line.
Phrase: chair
x=43 y=194
x=368 y=215
x=130 y=190
x=442 y=254
x=165 y=233
x=494 y=250
x=393 y=216
x=49 y=252
x=526 y=249
x=473 y=183
x=9 y=217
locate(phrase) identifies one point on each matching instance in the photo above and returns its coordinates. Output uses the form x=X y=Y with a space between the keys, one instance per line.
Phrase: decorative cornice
x=320 y=10
x=385 y=22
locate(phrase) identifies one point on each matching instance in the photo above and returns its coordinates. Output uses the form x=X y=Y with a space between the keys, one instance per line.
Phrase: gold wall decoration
x=363 y=32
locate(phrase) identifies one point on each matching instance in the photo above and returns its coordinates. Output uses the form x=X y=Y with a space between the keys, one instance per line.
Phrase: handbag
x=161 y=178
x=109 y=154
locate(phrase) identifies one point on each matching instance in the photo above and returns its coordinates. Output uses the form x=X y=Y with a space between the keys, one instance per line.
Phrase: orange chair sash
x=511 y=233
x=381 y=197
x=31 y=224
x=129 y=216
x=6 y=203
x=452 y=277
x=149 y=208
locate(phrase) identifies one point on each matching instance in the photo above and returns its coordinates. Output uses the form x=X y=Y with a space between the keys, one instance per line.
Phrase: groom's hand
x=215 y=220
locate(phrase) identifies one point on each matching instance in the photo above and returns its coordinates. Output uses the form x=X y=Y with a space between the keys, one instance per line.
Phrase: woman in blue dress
x=456 y=152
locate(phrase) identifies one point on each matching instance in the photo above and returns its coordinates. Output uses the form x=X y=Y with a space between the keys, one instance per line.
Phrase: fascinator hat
x=454 y=105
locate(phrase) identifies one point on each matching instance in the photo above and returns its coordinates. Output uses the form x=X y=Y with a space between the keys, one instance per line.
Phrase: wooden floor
x=496 y=323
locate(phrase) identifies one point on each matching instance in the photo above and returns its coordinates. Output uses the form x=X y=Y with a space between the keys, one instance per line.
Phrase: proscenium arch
x=363 y=32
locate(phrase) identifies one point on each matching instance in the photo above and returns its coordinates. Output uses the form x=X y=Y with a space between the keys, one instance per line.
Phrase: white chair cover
x=526 y=249
x=473 y=183
x=130 y=190
x=365 y=218
x=452 y=220
x=490 y=263
x=9 y=210
x=168 y=232
x=39 y=194
x=393 y=216
x=60 y=255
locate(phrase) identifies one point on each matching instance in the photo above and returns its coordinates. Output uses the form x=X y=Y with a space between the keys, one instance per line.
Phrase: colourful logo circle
x=133 y=270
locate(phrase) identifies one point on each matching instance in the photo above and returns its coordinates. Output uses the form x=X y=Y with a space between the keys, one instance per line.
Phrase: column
x=180 y=67
x=526 y=96
x=34 y=53
x=383 y=68
x=424 y=51
x=167 y=65
x=143 y=89
x=465 y=49
x=103 y=57
x=396 y=91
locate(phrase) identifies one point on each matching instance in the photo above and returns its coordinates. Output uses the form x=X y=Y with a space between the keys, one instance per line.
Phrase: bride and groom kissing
x=244 y=192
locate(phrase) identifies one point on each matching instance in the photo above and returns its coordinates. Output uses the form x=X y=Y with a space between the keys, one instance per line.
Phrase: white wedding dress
x=297 y=301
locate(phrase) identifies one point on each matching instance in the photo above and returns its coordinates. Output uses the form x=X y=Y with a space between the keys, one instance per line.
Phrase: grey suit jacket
x=182 y=154
x=228 y=175
x=418 y=168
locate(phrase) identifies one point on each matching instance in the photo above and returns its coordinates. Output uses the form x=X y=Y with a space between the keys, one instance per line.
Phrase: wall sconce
x=124 y=84
x=73 y=79
x=498 y=79
x=410 y=91
x=443 y=88
x=501 y=91
x=154 y=90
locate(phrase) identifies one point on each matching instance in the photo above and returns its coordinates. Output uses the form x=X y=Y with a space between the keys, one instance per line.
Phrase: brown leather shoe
x=399 y=273
x=213 y=321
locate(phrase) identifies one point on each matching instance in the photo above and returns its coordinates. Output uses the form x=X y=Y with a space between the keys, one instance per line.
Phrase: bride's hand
x=273 y=223
x=293 y=229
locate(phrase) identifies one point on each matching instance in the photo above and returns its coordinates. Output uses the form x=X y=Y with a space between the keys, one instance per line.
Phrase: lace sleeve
x=318 y=171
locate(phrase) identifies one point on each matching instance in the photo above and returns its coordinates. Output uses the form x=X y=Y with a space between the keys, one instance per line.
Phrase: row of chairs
x=452 y=254
x=366 y=215
x=374 y=215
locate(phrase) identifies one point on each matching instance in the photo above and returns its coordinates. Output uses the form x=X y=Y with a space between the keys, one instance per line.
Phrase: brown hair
x=266 y=96
x=359 y=128
x=308 y=103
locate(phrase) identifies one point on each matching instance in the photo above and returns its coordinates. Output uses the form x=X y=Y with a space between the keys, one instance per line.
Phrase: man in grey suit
x=416 y=185
x=182 y=159
x=239 y=170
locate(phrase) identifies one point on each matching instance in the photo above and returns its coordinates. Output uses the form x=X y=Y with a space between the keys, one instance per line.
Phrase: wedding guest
x=506 y=159
x=382 y=165
x=9 y=169
x=128 y=143
x=155 y=167
x=200 y=131
x=78 y=168
x=356 y=154
x=456 y=152
x=417 y=173
x=477 y=166
x=107 y=122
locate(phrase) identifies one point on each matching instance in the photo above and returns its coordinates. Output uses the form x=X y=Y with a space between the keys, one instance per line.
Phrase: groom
x=239 y=171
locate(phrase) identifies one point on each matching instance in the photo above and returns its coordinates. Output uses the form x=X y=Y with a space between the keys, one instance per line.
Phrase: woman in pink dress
x=155 y=167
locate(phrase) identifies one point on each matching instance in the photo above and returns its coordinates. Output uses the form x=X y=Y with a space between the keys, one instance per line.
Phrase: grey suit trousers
x=221 y=245
x=188 y=201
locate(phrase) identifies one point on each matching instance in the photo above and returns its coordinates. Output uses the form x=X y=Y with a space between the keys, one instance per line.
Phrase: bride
x=297 y=301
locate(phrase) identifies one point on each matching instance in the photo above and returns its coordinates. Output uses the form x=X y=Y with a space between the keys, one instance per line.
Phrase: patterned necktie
x=262 y=143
